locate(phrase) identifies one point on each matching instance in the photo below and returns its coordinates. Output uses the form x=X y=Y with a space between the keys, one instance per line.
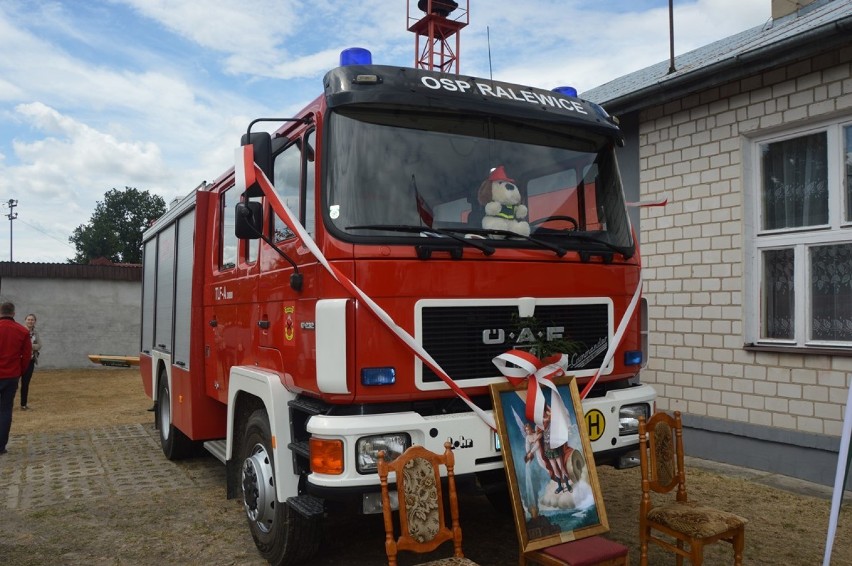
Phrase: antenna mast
x=441 y=46
x=11 y=216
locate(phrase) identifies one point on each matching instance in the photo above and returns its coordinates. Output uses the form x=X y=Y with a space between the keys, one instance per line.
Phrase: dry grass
x=78 y=399
x=199 y=526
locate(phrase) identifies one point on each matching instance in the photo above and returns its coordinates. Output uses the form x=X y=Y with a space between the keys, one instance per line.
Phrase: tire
x=176 y=445
x=282 y=535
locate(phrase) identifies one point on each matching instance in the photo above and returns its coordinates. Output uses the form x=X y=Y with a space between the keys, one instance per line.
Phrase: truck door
x=286 y=314
x=230 y=296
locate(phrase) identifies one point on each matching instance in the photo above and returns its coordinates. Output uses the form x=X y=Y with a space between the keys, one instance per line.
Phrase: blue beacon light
x=566 y=90
x=355 y=56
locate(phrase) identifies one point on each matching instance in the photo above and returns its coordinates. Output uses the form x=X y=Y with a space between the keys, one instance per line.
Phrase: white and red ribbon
x=527 y=366
x=517 y=366
x=250 y=174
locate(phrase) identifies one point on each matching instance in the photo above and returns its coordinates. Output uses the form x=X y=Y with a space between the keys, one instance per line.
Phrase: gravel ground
x=85 y=483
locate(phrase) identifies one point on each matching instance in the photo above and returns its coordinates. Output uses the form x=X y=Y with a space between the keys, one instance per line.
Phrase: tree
x=115 y=229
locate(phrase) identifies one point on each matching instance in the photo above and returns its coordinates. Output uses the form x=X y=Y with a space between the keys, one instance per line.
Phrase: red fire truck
x=275 y=309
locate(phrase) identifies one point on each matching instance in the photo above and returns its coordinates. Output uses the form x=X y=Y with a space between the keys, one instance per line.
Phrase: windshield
x=471 y=175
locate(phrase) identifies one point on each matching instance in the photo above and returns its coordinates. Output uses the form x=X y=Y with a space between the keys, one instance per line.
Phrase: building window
x=802 y=238
x=847 y=140
x=778 y=294
x=795 y=182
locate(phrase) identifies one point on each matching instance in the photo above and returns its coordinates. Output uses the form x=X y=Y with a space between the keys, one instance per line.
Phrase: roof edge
x=792 y=49
x=125 y=272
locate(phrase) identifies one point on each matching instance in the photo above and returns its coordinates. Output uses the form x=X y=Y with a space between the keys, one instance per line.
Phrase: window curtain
x=831 y=292
x=847 y=131
x=779 y=294
x=795 y=182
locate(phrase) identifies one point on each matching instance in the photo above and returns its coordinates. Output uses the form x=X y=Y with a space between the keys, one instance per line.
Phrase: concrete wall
x=78 y=317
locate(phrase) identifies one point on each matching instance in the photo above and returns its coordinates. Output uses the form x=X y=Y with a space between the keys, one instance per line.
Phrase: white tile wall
x=690 y=152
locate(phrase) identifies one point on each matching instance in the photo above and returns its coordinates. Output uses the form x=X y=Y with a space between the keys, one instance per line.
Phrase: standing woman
x=30 y=322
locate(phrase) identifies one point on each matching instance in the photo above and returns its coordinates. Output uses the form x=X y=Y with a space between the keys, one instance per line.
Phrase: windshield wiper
x=440 y=232
x=509 y=234
x=627 y=253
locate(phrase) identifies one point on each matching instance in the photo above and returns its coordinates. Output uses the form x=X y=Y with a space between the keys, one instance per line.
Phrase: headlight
x=628 y=418
x=367 y=450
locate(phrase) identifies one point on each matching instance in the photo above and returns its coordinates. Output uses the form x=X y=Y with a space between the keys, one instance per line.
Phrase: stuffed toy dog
x=502 y=201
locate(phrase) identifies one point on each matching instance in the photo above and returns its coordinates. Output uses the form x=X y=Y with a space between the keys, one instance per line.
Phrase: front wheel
x=281 y=534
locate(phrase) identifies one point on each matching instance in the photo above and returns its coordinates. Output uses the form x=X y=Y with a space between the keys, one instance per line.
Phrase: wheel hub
x=259 y=488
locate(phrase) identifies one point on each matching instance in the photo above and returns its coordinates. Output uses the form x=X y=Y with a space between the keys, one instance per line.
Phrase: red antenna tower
x=441 y=22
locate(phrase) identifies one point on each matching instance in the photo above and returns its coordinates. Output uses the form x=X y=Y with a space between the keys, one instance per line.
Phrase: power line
x=43 y=233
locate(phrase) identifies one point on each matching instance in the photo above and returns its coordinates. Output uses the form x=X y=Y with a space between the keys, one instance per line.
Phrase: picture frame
x=547 y=509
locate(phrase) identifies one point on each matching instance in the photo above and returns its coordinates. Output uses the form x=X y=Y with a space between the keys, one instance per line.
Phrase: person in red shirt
x=15 y=353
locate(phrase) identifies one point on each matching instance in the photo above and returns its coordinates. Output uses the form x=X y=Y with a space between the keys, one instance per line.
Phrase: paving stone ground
x=125 y=463
x=43 y=468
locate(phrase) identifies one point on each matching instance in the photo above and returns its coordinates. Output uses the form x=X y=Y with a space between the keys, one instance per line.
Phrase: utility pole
x=11 y=216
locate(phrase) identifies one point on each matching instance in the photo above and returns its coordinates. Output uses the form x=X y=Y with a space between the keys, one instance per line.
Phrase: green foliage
x=535 y=334
x=115 y=229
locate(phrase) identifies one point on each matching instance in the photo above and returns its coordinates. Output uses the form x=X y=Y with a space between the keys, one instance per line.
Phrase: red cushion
x=586 y=551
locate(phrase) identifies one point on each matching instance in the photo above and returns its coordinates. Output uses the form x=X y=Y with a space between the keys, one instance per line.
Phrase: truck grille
x=464 y=339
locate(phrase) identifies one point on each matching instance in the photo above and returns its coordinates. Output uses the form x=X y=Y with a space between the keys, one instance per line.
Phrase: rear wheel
x=176 y=445
x=282 y=535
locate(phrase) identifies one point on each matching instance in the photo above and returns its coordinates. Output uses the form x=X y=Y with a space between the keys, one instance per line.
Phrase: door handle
x=214 y=323
x=263 y=324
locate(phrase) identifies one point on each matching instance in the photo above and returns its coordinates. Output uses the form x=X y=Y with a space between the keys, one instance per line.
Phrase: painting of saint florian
x=551 y=469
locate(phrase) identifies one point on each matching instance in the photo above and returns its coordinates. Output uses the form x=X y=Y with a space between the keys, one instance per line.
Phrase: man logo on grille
x=521 y=337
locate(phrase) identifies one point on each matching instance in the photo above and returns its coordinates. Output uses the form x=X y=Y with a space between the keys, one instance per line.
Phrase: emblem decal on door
x=289 y=325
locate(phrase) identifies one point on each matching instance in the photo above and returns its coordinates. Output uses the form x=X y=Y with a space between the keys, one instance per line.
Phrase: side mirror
x=262 y=143
x=248 y=220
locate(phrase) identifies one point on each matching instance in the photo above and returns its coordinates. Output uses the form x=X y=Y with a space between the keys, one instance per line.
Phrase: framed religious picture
x=550 y=468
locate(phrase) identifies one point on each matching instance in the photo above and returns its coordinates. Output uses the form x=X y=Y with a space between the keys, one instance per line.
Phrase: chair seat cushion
x=695 y=520
x=586 y=551
x=451 y=561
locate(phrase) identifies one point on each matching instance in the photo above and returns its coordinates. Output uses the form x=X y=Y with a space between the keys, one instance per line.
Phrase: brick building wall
x=697 y=151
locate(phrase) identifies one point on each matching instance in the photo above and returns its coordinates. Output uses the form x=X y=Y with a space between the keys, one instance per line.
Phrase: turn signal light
x=378 y=376
x=326 y=456
x=632 y=358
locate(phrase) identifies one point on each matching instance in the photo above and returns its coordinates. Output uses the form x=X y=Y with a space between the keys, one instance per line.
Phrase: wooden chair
x=661 y=461
x=422 y=523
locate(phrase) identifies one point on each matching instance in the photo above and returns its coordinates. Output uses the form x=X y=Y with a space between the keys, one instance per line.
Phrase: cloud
x=76 y=154
x=154 y=94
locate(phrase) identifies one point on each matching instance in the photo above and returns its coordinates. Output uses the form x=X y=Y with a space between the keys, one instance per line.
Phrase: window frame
x=227 y=237
x=801 y=239
x=307 y=173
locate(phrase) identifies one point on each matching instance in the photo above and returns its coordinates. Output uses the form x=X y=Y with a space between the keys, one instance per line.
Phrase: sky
x=154 y=94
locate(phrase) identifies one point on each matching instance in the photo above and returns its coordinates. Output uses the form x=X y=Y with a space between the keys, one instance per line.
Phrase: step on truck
x=288 y=304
